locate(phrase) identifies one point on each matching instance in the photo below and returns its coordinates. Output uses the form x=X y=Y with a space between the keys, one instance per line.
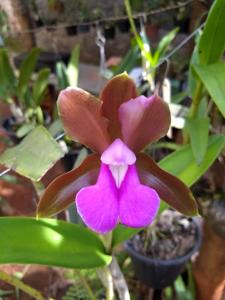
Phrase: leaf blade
x=50 y=242
x=212 y=42
x=212 y=77
x=26 y=69
x=29 y=160
x=198 y=129
x=40 y=86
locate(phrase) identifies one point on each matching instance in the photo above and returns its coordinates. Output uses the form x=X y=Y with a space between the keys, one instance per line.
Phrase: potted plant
x=160 y=253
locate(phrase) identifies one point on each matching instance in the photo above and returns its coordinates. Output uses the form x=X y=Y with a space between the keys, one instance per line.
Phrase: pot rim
x=168 y=262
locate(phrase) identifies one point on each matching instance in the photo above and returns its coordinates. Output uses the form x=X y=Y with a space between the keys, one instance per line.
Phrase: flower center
x=118 y=157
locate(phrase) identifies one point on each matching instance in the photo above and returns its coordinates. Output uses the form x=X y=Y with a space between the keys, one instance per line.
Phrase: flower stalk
x=20 y=285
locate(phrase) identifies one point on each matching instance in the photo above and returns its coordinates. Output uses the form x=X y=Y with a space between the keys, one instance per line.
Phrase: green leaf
x=212 y=41
x=50 y=242
x=34 y=156
x=61 y=75
x=7 y=76
x=128 y=62
x=73 y=67
x=163 y=45
x=180 y=163
x=26 y=69
x=25 y=129
x=122 y=233
x=212 y=77
x=198 y=129
x=40 y=86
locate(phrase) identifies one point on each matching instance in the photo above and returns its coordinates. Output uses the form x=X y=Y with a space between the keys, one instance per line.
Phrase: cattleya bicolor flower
x=118 y=184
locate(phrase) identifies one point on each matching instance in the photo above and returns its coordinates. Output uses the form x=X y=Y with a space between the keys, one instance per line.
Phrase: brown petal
x=170 y=189
x=119 y=89
x=61 y=192
x=82 y=120
x=143 y=121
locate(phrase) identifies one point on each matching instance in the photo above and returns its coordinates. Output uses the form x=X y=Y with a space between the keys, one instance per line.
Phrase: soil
x=171 y=236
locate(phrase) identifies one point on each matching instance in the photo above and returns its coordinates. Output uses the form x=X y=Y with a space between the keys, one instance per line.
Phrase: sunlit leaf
x=61 y=75
x=212 y=41
x=73 y=67
x=212 y=77
x=34 y=156
x=50 y=242
x=198 y=129
x=181 y=163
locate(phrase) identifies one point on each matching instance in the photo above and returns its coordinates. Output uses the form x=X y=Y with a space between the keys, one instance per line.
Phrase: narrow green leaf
x=198 y=129
x=212 y=77
x=34 y=156
x=26 y=69
x=7 y=76
x=128 y=62
x=122 y=233
x=180 y=163
x=73 y=67
x=50 y=242
x=163 y=45
x=40 y=86
x=212 y=41
x=61 y=75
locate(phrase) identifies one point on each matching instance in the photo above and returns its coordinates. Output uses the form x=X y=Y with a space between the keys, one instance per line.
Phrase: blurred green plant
x=24 y=94
x=150 y=58
x=68 y=75
x=206 y=76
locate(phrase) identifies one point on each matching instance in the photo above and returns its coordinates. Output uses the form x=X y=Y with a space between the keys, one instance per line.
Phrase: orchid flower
x=119 y=183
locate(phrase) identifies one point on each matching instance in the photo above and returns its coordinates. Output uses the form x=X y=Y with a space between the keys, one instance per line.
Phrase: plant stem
x=20 y=285
x=196 y=100
x=146 y=53
x=107 y=281
x=107 y=241
x=109 y=290
x=119 y=280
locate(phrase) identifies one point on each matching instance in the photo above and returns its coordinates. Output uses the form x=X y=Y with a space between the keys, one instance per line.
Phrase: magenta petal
x=118 y=154
x=98 y=204
x=143 y=121
x=138 y=204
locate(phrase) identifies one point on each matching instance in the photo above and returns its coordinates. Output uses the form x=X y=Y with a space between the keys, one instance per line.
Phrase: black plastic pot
x=157 y=273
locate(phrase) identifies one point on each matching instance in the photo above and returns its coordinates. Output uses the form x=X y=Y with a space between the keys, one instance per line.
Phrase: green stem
x=107 y=241
x=109 y=289
x=20 y=285
x=105 y=276
x=138 y=39
x=196 y=100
